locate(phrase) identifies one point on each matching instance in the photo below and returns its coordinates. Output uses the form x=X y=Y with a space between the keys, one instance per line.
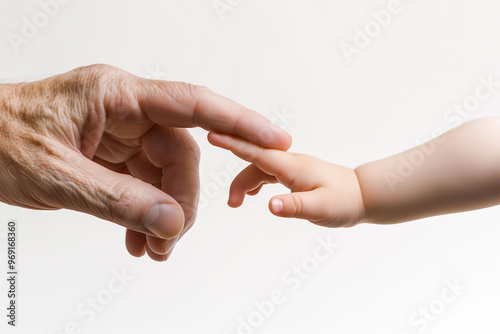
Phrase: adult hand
x=102 y=141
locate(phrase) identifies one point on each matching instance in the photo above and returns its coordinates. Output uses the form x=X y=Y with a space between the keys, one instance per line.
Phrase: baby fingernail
x=277 y=205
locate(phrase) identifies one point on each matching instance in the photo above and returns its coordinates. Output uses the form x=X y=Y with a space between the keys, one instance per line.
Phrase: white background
x=272 y=56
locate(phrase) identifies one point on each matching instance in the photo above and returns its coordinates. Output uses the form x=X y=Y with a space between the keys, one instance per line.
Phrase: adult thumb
x=85 y=186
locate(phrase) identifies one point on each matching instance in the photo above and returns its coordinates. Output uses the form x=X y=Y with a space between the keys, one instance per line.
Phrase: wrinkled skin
x=102 y=141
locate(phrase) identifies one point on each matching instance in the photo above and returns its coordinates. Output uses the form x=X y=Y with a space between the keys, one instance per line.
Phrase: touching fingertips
x=286 y=141
x=275 y=137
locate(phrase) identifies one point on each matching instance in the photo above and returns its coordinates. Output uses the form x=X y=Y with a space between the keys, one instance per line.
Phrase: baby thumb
x=303 y=205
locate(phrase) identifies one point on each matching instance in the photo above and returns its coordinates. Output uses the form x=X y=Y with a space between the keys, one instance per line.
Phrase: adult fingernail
x=277 y=205
x=164 y=220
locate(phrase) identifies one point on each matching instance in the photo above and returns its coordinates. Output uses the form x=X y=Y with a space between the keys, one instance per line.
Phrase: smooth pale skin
x=459 y=172
x=102 y=141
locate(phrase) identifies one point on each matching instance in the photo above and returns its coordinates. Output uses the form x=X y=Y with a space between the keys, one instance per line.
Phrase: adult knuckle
x=97 y=70
x=122 y=202
x=99 y=78
x=198 y=90
x=184 y=90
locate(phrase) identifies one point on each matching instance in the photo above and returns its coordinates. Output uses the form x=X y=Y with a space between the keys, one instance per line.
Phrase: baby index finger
x=270 y=161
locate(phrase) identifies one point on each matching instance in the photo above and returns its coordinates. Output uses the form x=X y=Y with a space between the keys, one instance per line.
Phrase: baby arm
x=457 y=171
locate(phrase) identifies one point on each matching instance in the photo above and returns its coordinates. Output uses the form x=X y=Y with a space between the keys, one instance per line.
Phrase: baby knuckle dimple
x=296 y=205
x=293 y=180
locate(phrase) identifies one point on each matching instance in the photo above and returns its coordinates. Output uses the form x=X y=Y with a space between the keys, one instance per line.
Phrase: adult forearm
x=457 y=171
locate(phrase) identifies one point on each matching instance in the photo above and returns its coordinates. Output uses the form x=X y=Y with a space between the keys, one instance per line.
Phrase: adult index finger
x=179 y=104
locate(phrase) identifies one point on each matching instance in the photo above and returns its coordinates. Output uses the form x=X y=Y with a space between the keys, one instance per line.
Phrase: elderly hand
x=102 y=141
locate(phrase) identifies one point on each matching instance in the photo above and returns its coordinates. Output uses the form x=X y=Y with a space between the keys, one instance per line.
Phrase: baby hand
x=323 y=193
